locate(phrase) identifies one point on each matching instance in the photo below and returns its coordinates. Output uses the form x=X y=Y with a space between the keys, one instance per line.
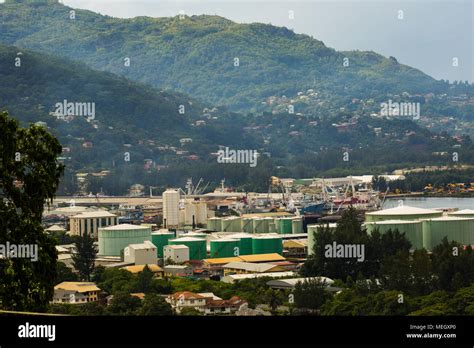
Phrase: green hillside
x=196 y=55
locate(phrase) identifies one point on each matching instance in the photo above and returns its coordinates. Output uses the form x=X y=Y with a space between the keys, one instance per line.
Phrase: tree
x=311 y=294
x=84 y=258
x=145 y=280
x=155 y=305
x=124 y=304
x=29 y=178
x=64 y=274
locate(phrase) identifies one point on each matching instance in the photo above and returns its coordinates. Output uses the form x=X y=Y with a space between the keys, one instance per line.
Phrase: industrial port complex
x=231 y=236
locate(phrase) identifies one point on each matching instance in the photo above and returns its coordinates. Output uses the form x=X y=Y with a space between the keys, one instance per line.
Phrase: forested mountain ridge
x=208 y=57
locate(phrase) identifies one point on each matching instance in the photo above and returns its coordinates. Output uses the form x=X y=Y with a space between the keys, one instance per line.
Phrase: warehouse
x=238 y=267
x=289 y=284
x=140 y=254
x=176 y=253
x=232 y=278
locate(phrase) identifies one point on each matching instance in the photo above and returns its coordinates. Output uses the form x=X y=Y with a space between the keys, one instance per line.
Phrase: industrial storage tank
x=267 y=244
x=286 y=225
x=413 y=230
x=259 y=225
x=171 y=208
x=247 y=225
x=214 y=224
x=456 y=229
x=197 y=246
x=466 y=213
x=232 y=224
x=245 y=245
x=225 y=247
x=402 y=213
x=277 y=222
x=314 y=229
x=297 y=226
x=113 y=239
x=195 y=235
x=160 y=239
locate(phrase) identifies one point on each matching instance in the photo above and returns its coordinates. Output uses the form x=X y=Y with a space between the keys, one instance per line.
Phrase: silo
x=258 y=225
x=402 y=213
x=277 y=222
x=315 y=229
x=237 y=224
x=171 y=208
x=297 y=225
x=195 y=235
x=245 y=245
x=466 y=213
x=197 y=246
x=225 y=247
x=458 y=229
x=286 y=225
x=413 y=230
x=113 y=239
x=267 y=222
x=247 y=225
x=267 y=244
x=226 y=225
x=160 y=239
x=214 y=224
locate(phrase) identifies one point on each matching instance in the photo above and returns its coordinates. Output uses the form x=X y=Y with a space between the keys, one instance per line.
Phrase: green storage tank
x=277 y=222
x=160 y=239
x=402 y=212
x=245 y=245
x=267 y=245
x=225 y=247
x=456 y=229
x=465 y=213
x=315 y=229
x=259 y=225
x=197 y=246
x=297 y=226
x=413 y=229
x=195 y=235
x=247 y=225
x=214 y=224
x=113 y=239
x=286 y=225
x=232 y=224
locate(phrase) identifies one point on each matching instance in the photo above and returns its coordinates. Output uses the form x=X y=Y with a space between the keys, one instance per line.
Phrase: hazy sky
x=430 y=35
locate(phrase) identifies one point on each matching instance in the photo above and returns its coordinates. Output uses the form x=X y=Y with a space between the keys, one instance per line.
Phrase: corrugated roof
x=250 y=267
x=94 y=214
x=262 y=257
x=403 y=210
x=77 y=286
x=139 y=268
x=236 y=277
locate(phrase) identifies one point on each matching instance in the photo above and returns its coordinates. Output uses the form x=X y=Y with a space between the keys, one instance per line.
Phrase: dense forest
x=209 y=57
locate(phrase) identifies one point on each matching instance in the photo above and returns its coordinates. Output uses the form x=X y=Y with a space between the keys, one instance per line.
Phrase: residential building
x=75 y=292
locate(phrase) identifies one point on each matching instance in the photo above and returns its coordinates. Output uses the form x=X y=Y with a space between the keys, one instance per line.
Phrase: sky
x=431 y=35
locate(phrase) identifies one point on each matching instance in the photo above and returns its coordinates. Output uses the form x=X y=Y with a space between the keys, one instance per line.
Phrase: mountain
x=125 y=112
x=197 y=55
